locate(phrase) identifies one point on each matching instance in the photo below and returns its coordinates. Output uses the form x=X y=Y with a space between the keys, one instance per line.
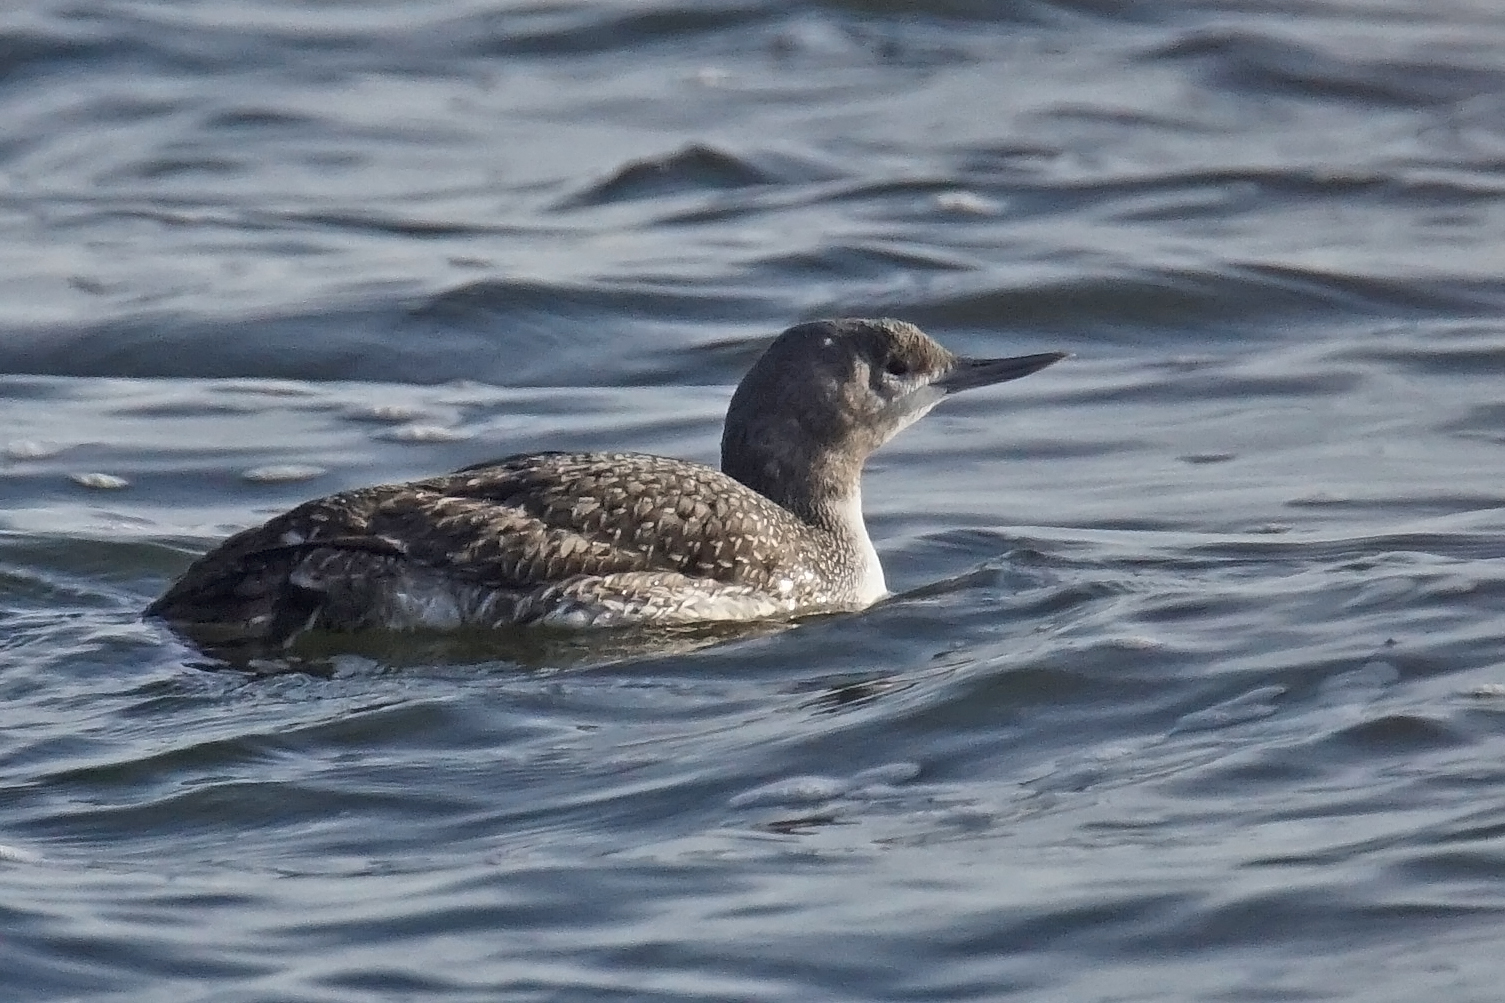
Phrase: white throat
x=870 y=586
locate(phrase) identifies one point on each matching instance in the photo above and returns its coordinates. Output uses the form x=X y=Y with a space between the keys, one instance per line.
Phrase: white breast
x=870 y=585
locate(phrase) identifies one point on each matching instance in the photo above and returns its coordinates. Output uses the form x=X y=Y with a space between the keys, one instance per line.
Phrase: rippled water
x=1194 y=688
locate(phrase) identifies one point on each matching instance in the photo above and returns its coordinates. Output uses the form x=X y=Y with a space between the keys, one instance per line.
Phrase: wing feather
x=516 y=524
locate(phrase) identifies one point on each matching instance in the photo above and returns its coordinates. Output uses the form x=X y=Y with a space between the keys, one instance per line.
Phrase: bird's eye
x=896 y=366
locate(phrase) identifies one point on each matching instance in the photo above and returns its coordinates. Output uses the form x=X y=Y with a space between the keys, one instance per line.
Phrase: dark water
x=1195 y=687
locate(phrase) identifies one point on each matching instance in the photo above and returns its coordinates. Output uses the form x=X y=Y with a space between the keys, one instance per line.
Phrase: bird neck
x=822 y=487
x=816 y=483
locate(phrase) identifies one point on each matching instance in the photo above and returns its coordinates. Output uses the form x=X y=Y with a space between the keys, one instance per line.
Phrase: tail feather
x=245 y=590
x=251 y=598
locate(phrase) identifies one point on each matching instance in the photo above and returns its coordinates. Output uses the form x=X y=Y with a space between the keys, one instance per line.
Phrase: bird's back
x=548 y=535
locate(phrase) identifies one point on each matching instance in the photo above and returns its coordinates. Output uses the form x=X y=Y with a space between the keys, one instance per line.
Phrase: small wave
x=1262 y=64
x=695 y=168
x=1254 y=298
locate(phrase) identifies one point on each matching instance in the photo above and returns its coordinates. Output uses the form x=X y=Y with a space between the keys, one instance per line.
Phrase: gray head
x=826 y=394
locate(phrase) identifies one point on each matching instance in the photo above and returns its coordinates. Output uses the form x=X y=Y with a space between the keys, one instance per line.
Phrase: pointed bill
x=969 y=373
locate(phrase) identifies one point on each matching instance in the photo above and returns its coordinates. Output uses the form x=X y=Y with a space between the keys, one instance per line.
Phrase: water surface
x=1193 y=687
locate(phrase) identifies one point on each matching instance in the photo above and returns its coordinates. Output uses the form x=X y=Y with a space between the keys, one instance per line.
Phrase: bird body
x=609 y=539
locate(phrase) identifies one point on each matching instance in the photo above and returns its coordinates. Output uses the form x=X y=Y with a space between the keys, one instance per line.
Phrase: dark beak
x=969 y=373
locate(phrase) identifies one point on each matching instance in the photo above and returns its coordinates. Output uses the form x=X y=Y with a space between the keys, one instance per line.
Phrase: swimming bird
x=611 y=539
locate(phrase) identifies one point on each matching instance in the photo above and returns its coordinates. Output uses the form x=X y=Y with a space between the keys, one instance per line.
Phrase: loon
x=610 y=539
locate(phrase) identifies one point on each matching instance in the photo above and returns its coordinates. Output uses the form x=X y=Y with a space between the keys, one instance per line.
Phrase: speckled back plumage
x=573 y=538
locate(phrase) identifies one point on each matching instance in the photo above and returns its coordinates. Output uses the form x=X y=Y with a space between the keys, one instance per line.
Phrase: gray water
x=1193 y=687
